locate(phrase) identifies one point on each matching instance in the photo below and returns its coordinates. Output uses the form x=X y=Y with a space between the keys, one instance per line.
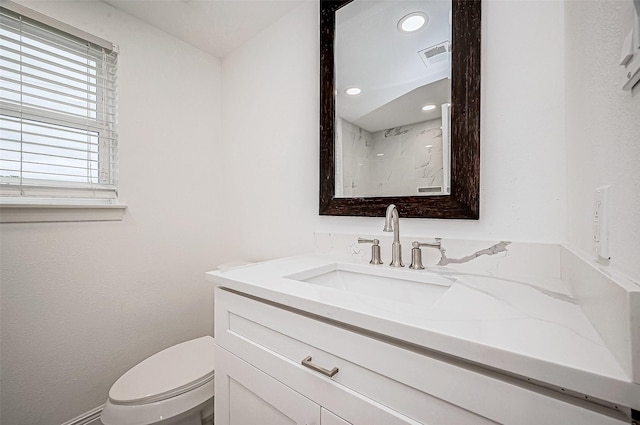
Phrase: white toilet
x=172 y=387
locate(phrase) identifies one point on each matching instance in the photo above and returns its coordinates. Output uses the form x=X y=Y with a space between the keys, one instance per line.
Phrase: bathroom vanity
x=321 y=339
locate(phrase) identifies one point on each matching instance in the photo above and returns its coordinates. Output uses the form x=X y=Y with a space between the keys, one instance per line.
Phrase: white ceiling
x=407 y=108
x=215 y=26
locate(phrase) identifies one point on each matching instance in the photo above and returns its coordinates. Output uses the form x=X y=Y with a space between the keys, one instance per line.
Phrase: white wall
x=270 y=138
x=603 y=129
x=83 y=302
x=270 y=127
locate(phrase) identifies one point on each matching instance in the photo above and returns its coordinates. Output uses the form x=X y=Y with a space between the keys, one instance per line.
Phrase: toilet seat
x=163 y=386
x=168 y=373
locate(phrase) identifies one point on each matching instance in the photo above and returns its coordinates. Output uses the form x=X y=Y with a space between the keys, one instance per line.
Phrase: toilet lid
x=166 y=374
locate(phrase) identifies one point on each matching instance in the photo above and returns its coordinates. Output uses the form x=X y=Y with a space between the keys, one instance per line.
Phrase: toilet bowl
x=172 y=387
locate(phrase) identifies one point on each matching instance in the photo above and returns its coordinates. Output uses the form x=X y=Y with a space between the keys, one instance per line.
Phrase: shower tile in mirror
x=405 y=161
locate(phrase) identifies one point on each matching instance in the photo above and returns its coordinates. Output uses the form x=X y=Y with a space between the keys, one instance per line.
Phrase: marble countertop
x=531 y=327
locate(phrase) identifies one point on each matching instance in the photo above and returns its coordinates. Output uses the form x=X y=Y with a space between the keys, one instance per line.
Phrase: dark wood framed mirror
x=463 y=202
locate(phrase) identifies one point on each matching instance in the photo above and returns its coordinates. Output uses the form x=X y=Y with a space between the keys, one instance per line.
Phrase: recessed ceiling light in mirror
x=428 y=107
x=413 y=22
x=352 y=91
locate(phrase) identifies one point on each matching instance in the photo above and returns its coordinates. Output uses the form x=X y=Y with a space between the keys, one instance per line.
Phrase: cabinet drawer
x=245 y=395
x=427 y=389
x=277 y=341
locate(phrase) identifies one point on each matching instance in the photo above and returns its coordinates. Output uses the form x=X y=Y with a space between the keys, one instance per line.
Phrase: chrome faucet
x=392 y=223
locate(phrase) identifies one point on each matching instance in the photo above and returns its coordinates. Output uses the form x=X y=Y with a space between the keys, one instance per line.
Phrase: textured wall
x=83 y=302
x=270 y=132
x=603 y=129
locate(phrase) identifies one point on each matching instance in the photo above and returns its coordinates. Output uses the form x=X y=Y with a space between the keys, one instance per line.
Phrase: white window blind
x=58 y=135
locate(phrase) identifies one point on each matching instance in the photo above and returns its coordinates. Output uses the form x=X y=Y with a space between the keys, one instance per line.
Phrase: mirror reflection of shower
x=393 y=94
x=410 y=160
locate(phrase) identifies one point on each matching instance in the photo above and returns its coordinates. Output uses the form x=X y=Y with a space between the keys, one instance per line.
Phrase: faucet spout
x=388 y=217
x=392 y=223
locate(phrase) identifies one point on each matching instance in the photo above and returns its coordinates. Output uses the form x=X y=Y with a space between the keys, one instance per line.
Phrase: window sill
x=43 y=213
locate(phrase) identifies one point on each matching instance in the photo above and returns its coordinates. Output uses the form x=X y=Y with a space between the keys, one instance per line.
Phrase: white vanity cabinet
x=260 y=378
x=250 y=396
x=253 y=397
x=259 y=368
x=328 y=418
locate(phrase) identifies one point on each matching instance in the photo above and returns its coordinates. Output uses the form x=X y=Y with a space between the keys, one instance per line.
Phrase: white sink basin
x=416 y=287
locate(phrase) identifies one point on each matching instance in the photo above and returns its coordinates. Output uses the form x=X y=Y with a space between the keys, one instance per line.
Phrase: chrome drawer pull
x=330 y=373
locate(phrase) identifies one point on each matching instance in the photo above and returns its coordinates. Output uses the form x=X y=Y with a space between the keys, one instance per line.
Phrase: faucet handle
x=375 y=250
x=436 y=245
x=416 y=253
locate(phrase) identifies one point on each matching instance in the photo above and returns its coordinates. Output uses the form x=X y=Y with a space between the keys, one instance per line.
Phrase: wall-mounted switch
x=601 y=223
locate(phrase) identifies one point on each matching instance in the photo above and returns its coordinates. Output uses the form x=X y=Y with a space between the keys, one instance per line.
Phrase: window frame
x=64 y=201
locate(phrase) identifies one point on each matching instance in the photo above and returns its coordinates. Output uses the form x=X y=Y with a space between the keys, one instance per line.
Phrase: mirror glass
x=377 y=146
x=392 y=98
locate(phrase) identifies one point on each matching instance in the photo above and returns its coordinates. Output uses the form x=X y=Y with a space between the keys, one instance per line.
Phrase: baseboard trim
x=92 y=417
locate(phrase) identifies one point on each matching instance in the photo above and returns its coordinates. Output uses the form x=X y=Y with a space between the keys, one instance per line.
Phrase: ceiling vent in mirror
x=436 y=54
